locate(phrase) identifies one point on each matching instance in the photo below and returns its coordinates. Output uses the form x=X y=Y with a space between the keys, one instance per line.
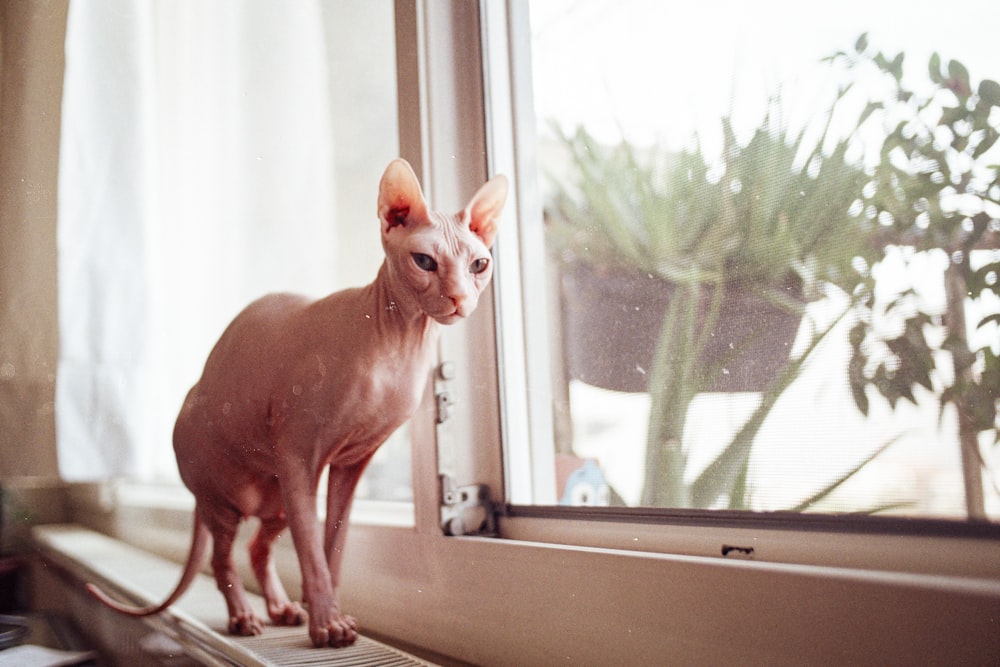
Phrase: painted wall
x=31 y=70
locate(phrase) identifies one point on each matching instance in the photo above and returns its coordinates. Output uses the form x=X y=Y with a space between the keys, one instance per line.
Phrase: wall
x=31 y=70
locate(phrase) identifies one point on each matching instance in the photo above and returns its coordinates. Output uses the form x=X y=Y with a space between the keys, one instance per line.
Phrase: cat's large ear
x=483 y=210
x=399 y=196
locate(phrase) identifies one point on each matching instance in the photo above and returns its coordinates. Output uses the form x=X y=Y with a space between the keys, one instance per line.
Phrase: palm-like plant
x=776 y=219
x=771 y=209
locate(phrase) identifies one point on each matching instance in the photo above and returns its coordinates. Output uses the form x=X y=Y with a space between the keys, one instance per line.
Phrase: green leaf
x=896 y=67
x=951 y=115
x=862 y=43
x=857 y=335
x=958 y=72
x=871 y=108
x=835 y=484
x=989 y=92
x=990 y=137
x=980 y=405
x=858 y=382
x=986 y=277
x=995 y=317
x=739 y=496
x=934 y=68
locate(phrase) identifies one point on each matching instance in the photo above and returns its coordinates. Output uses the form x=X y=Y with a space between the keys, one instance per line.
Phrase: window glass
x=772 y=241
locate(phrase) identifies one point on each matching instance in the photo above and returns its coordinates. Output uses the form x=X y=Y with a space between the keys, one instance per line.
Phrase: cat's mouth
x=453 y=314
x=449 y=318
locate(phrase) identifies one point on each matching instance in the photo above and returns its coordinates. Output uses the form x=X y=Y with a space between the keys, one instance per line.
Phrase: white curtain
x=195 y=175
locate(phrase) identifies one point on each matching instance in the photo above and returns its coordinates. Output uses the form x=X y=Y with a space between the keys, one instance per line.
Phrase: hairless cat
x=296 y=385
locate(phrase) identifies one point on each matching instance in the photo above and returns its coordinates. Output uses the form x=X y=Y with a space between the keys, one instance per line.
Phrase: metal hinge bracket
x=467 y=510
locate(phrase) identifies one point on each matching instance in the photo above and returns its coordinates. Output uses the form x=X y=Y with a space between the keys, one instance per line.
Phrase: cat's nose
x=460 y=305
x=459 y=296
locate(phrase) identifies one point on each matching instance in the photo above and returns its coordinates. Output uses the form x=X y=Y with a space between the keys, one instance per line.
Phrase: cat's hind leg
x=242 y=619
x=280 y=608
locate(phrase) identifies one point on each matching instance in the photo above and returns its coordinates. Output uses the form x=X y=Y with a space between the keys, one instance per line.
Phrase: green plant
x=725 y=477
x=775 y=211
x=773 y=207
x=935 y=189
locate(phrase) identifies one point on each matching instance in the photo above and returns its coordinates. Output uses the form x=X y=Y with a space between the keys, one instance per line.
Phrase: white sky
x=664 y=70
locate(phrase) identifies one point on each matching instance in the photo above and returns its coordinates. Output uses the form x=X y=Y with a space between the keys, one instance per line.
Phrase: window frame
x=525 y=435
x=529 y=450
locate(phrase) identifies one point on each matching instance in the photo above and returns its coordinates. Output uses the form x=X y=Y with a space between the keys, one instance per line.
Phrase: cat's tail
x=199 y=548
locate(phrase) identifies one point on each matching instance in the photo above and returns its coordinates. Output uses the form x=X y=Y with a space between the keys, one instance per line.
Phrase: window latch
x=443 y=398
x=444 y=402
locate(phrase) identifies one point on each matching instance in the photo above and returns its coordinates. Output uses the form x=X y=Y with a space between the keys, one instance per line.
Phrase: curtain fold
x=195 y=175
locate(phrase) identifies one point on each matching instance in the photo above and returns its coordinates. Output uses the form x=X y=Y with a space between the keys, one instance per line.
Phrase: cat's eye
x=479 y=265
x=425 y=262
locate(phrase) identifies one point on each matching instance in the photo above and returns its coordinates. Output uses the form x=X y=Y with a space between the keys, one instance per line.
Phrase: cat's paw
x=245 y=624
x=338 y=631
x=287 y=613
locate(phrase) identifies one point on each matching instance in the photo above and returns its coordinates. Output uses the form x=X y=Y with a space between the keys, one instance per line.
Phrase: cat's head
x=442 y=260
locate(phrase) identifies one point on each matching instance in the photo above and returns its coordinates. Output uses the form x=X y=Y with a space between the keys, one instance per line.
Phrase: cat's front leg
x=327 y=626
x=342 y=481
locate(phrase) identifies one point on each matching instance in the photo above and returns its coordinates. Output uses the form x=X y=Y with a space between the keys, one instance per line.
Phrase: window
x=715 y=213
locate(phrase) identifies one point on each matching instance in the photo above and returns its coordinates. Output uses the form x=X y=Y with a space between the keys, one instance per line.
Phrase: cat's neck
x=394 y=309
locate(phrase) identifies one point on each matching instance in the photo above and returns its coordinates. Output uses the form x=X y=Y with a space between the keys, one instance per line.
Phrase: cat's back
x=269 y=335
x=260 y=324
x=248 y=349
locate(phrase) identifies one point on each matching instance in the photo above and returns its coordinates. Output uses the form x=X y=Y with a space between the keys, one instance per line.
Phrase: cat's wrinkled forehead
x=452 y=231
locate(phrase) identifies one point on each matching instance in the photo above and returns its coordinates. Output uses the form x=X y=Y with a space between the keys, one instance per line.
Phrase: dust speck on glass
x=773 y=254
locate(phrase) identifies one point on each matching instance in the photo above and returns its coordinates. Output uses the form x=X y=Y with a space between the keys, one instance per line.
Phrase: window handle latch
x=445 y=402
x=443 y=398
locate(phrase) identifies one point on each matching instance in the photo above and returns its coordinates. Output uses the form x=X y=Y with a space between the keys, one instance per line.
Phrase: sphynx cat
x=295 y=385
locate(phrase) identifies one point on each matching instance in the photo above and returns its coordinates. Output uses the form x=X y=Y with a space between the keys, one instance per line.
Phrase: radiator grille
x=291 y=646
x=198 y=621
